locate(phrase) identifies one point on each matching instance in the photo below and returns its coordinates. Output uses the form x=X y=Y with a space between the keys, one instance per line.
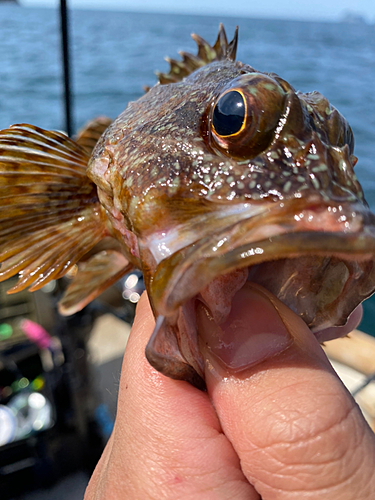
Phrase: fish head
x=229 y=175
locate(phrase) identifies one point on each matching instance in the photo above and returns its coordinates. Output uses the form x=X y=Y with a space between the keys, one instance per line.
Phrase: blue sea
x=114 y=54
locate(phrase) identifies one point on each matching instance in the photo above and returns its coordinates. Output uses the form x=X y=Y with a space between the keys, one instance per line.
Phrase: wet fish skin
x=158 y=163
x=196 y=210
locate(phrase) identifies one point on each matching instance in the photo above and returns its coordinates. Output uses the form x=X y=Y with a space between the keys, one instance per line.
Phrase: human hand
x=282 y=428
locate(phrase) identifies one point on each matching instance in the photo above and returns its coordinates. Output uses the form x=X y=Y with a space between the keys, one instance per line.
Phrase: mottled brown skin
x=162 y=166
x=277 y=197
x=160 y=150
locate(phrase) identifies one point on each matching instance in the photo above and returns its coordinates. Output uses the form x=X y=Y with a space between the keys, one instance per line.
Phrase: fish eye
x=243 y=119
x=229 y=114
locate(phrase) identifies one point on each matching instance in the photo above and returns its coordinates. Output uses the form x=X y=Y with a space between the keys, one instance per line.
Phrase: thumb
x=298 y=432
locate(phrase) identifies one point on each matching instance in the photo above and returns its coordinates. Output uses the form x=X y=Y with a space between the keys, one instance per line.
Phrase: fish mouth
x=319 y=263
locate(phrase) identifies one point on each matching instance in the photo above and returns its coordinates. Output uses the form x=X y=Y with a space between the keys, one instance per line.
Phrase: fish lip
x=336 y=332
x=182 y=275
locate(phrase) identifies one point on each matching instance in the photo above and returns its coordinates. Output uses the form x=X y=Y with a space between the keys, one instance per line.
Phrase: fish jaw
x=318 y=262
x=267 y=232
x=200 y=206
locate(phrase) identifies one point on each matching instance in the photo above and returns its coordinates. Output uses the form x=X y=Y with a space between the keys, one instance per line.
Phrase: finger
x=167 y=441
x=297 y=431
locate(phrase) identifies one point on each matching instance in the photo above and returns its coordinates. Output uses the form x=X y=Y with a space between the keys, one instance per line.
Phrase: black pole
x=66 y=67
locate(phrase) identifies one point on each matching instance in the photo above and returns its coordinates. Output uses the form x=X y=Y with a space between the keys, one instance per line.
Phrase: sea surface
x=114 y=54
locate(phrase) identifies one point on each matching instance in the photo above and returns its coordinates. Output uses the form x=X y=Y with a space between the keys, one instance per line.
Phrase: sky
x=325 y=10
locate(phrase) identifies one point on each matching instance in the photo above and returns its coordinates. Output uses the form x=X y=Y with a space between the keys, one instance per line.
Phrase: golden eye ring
x=229 y=114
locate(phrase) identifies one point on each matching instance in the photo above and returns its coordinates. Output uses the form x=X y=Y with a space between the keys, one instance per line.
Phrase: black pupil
x=229 y=113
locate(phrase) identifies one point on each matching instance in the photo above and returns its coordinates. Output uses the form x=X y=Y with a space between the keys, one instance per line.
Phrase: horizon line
x=342 y=17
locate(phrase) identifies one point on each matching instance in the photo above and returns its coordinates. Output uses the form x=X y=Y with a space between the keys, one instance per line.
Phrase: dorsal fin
x=90 y=133
x=206 y=54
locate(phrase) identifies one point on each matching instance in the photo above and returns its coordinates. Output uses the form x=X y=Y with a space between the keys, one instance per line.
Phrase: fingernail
x=252 y=333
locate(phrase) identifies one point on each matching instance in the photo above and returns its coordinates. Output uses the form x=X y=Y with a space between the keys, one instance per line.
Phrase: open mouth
x=321 y=275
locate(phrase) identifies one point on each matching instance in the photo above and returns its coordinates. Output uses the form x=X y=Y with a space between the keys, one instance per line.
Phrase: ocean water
x=114 y=54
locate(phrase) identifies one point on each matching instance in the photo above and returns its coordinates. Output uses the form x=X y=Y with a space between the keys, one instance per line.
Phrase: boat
x=353 y=358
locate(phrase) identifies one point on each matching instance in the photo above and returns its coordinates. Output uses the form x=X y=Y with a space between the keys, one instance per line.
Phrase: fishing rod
x=66 y=66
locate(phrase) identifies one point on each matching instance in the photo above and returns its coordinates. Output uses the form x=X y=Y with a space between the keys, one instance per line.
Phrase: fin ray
x=41 y=139
x=8 y=179
x=25 y=225
x=93 y=277
x=51 y=164
x=89 y=134
x=51 y=265
x=206 y=54
x=54 y=190
x=50 y=214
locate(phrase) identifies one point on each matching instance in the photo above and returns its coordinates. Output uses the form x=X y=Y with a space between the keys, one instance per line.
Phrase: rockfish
x=218 y=175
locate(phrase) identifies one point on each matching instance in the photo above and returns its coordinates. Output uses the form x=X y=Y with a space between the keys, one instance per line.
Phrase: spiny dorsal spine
x=206 y=54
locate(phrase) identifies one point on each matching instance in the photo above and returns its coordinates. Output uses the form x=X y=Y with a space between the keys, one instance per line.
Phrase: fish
x=218 y=175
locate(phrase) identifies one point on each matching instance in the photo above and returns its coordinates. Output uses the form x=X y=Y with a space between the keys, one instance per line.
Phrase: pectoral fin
x=93 y=277
x=50 y=215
